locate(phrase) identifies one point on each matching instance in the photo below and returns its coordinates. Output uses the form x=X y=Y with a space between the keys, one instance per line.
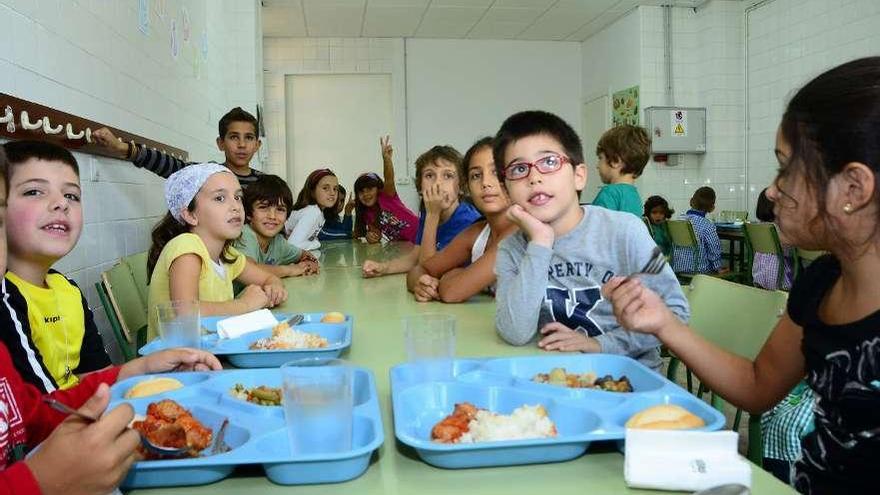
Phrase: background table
x=735 y=234
x=377 y=306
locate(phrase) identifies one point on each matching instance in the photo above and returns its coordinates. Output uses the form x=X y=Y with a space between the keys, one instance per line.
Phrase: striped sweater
x=163 y=165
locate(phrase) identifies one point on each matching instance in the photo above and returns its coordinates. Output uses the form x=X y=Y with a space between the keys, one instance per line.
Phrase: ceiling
x=549 y=20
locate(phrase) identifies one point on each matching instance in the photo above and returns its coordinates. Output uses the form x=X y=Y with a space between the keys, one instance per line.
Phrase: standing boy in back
x=238 y=140
x=550 y=272
x=623 y=153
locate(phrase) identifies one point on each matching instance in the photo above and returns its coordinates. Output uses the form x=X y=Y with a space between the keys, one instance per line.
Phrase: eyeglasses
x=546 y=165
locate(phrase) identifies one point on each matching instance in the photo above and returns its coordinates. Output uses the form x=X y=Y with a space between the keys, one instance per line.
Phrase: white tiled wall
x=88 y=57
x=788 y=43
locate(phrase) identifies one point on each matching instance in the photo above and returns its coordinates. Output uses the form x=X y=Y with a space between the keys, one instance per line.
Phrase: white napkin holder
x=683 y=460
x=237 y=326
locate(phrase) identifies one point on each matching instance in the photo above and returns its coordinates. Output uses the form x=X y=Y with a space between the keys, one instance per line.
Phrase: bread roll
x=333 y=317
x=665 y=417
x=152 y=387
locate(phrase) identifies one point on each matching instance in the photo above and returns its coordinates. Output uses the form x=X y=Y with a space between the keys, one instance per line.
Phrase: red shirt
x=25 y=420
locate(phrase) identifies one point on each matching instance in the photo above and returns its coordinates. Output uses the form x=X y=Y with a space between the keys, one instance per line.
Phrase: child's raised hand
x=105 y=138
x=385 y=145
x=373 y=269
x=435 y=199
x=254 y=297
x=60 y=466
x=537 y=231
x=636 y=307
x=350 y=205
x=427 y=289
x=558 y=337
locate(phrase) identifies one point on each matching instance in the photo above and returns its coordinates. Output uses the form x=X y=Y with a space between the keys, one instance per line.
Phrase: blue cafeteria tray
x=503 y=384
x=257 y=434
x=236 y=350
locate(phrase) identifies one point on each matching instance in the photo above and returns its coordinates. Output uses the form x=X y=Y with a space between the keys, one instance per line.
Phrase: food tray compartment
x=239 y=355
x=256 y=434
x=500 y=385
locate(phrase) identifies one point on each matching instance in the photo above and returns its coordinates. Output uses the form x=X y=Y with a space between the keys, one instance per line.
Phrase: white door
x=335 y=121
x=597 y=119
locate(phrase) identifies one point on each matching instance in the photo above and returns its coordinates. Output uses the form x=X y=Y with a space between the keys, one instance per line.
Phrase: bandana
x=183 y=185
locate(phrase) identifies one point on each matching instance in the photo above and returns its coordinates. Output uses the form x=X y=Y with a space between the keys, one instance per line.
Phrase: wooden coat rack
x=23 y=119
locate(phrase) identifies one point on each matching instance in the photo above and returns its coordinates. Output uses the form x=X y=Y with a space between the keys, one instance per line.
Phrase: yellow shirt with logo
x=56 y=317
x=212 y=287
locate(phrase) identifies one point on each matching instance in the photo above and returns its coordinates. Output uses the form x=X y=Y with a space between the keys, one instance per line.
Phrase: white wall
x=461 y=90
x=88 y=58
x=789 y=42
x=443 y=91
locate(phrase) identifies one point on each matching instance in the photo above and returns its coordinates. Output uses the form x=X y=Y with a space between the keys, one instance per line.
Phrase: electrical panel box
x=676 y=130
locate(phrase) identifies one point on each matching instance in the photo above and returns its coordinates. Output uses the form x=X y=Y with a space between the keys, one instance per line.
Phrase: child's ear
x=580 y=176
x=856 y=186
x=189 y=217
x=221 y=145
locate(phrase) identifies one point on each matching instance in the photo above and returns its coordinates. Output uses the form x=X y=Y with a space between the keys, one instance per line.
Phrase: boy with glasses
x=550 y=273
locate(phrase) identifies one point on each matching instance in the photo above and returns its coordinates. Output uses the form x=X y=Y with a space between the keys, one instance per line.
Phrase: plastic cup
x=179 y=324
x=317 y=399
x=430 y=345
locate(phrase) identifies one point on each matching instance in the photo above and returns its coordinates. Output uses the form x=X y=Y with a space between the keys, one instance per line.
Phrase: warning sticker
x=679 y=123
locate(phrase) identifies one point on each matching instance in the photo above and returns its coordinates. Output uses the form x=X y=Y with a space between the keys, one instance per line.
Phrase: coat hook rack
x=71 y=131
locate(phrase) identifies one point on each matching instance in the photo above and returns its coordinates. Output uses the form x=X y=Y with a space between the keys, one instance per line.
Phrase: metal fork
x=654 y=265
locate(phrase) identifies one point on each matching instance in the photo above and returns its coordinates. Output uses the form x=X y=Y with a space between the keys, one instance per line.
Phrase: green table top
x=377 y=306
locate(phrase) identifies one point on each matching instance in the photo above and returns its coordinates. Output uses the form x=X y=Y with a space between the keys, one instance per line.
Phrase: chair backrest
x=763 y=238
x=735 y=317
x=681 y=233
x=125 y=301
x=137 y=263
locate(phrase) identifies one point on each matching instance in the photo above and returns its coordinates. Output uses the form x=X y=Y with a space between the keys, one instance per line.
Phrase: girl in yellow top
x=192 y=257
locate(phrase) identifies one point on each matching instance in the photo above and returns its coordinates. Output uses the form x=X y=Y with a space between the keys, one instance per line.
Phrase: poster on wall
x=625 y=107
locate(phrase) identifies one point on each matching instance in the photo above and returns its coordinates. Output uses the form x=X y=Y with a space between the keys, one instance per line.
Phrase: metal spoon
x=294 y=320
x=156 y=449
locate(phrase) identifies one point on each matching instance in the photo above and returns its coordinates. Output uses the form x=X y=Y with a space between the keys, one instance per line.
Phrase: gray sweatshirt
x=537 y=285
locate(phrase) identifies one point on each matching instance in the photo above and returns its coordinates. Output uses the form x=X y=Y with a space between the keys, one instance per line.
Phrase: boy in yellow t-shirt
x=44 y=318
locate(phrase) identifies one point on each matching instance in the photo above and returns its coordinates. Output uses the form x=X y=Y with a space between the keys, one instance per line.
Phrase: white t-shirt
x=303 y=227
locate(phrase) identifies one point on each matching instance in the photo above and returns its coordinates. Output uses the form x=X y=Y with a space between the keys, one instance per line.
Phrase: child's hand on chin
x=558 y=337
x=59 y=464
x=537 y=231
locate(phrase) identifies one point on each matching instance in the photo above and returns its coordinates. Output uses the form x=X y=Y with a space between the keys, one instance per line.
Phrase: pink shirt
x=396 y=221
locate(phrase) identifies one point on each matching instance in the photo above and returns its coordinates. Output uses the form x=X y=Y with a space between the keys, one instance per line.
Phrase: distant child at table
x=74 y=456
x=192 y=258
x=466 y=266
x=657 y=211
x=267 y=205
x=623 y=152
x=45 y=321
x=316 y=202
x=334 y=228
x=443 y=214
x=238 y=139
x=826 y=198
x=551 y=271
x=708 y=243
x=380 y=214
x=765 y=269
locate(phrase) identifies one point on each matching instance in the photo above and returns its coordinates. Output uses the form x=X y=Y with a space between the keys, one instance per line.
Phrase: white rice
x=525 y=422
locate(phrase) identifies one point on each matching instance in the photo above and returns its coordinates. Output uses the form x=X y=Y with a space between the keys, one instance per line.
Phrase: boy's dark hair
x=654 y=202
x=832 y=121
x=764 y=208
x=3 y=167
x=703 y=199
x=436 y=153
x=531 y=123
x=271 y=189
x=627 y=143
x=237 y=114
x=18 y=152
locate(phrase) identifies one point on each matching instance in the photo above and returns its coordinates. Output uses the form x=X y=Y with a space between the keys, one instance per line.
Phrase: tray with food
x=536 y=409
x=228 y=418
x=317 y=335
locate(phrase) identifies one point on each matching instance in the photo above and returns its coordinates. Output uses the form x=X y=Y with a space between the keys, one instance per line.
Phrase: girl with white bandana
x=192 y=257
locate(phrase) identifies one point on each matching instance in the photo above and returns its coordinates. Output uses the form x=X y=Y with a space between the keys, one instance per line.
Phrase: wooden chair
x=125 y=311
x=763 y=238
x=737 y=318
